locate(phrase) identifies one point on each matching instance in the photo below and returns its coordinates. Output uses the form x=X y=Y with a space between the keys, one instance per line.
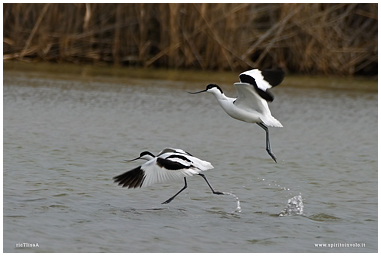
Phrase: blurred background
x=339 y=39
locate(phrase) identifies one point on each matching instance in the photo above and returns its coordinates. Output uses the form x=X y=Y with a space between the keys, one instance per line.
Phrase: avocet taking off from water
x=251 y=104
x=169 y=164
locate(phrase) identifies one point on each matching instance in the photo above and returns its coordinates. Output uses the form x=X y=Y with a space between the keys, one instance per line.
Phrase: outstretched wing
x=248 y=99
x=262 y=81
x=166 y=167
x=131 y=179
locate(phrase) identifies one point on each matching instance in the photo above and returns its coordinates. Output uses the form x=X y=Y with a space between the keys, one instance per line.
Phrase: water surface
x=65 y=138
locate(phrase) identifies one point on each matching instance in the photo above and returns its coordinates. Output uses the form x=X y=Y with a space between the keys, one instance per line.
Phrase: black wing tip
x=273 y=76
x=131 y=179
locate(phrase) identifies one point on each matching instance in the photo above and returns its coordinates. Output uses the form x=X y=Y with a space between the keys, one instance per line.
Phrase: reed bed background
x=300 y=38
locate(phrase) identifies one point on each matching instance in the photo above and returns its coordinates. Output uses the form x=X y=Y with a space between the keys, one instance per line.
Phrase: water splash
x=294 y=207
x=238 y=209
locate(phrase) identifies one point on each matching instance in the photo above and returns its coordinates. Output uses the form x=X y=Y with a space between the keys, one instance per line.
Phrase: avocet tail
x=270 y=121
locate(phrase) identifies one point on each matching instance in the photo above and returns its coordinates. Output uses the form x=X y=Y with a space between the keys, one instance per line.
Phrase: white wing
x=262 y=81
x=172 y=166
x=248 y=99
x=259 y=79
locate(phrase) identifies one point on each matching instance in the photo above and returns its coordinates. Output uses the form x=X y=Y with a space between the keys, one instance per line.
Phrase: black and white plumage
x=251 y=104
x=170 y=164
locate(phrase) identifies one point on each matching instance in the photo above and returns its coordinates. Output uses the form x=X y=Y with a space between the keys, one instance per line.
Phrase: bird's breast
x=241 y=114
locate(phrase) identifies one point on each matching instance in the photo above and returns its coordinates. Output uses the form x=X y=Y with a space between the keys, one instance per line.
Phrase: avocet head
x=213 y=88
x=144 y=155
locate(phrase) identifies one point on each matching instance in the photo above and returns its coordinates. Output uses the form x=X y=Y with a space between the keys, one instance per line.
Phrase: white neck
x=147 y=157
x=219 y=96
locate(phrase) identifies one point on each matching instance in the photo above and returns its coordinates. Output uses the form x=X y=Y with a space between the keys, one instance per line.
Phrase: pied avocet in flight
x=251 y=104
x=169 y=164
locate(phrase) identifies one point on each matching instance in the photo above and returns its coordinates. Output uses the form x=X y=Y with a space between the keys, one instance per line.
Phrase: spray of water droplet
x=238 y=209
x=294 y=207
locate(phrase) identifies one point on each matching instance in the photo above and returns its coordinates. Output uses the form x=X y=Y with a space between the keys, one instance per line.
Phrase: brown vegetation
x=303 y=38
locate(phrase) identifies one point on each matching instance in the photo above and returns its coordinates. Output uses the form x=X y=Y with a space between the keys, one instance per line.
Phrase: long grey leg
x=214 y=192
x=268 y=148
x=170 y=199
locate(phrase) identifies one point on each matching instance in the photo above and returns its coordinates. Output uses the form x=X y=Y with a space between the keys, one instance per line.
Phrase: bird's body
x=170 y=164
x=247 y=107
x=251 y=106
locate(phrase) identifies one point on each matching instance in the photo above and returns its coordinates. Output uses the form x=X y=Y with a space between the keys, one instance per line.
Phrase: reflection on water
x=64 y=140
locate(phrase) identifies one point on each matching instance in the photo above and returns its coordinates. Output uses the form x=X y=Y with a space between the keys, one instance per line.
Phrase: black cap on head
x=210 y=86
x=146 y=153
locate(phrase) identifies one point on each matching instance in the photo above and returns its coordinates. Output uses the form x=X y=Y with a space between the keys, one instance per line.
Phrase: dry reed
x=302 y=38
